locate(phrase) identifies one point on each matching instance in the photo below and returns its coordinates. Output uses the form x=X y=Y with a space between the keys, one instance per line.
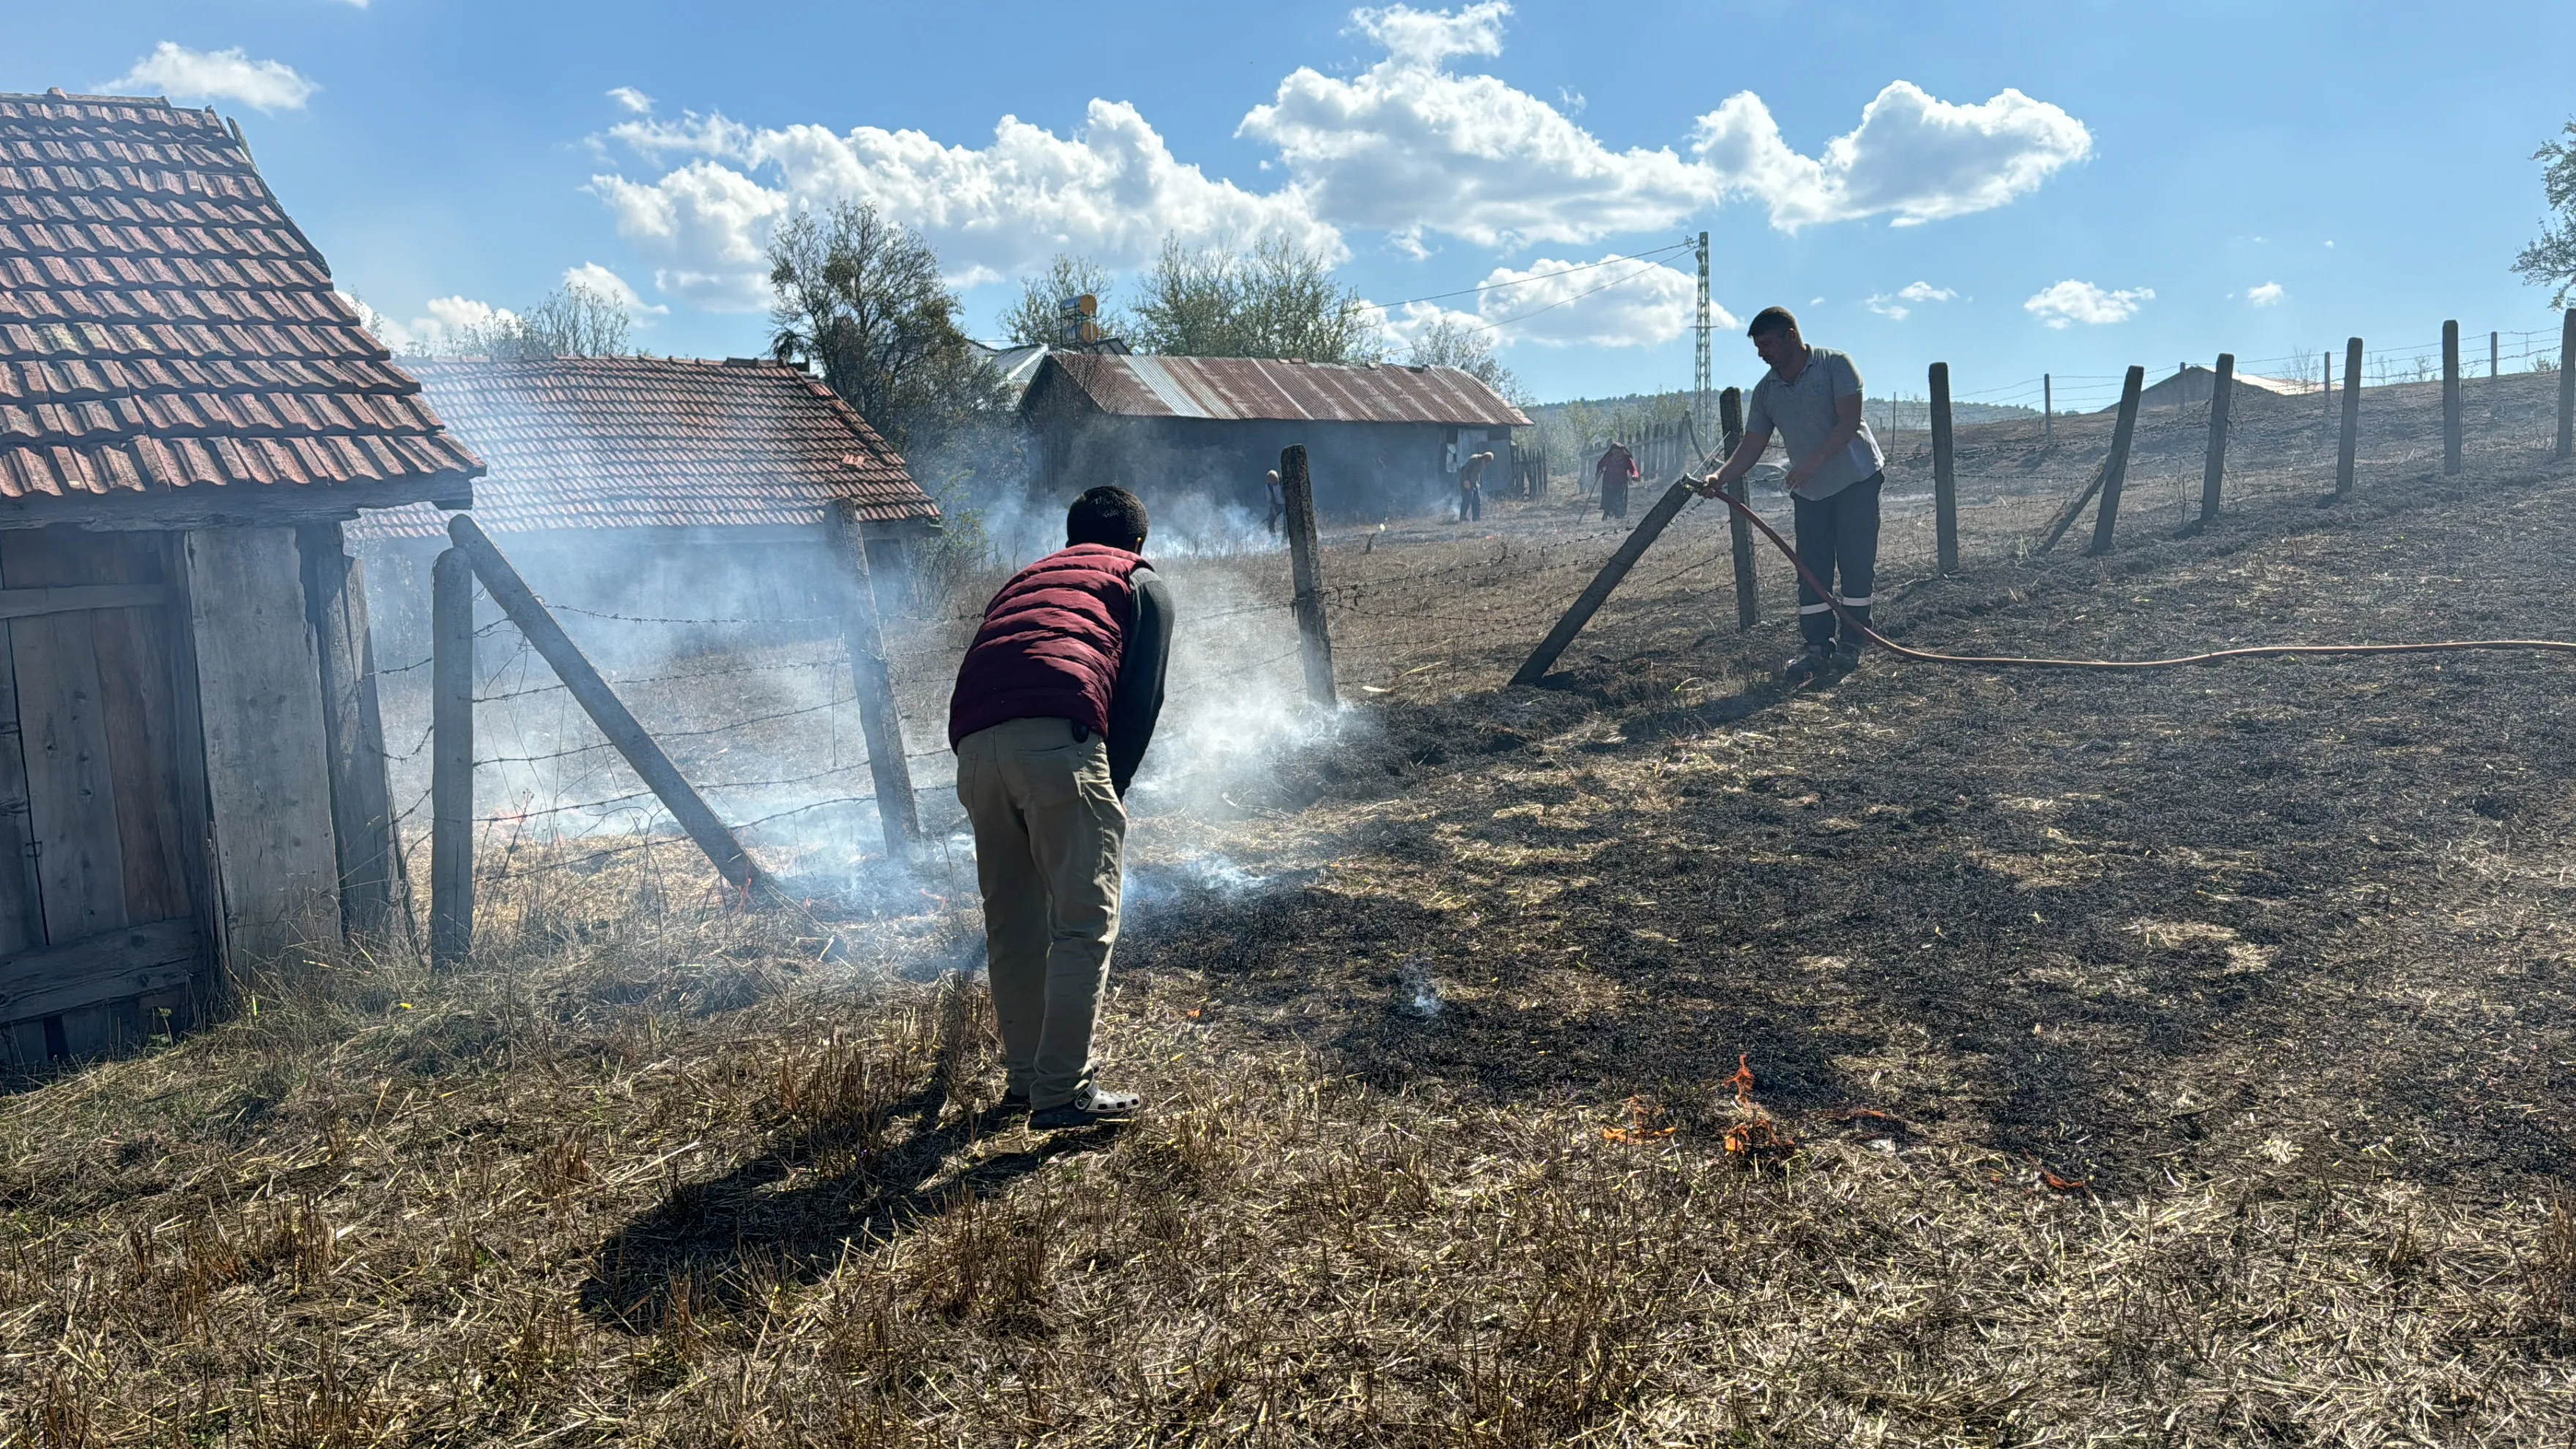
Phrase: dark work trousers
x=1838 y=541
x=1471 y=504
x=1614 y=497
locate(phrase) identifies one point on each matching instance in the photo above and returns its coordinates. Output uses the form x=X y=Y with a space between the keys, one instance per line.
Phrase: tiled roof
x=165 y=330
x=648 y=442
x=1238 y=388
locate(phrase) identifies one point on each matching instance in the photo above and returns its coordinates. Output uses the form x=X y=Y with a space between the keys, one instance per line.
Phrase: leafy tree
x=861 y=298
x=572 y=321
x=2551 y=260
x=1035 y=318
x=1451 y=343
x=1278 y=300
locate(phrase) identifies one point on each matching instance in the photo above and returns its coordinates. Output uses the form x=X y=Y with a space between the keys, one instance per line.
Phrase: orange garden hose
x=2314 y=651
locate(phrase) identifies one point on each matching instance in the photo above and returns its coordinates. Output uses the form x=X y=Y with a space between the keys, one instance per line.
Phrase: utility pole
x=1700 y=361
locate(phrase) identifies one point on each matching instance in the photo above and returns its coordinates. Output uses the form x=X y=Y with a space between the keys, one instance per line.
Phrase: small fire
x=1642 y=1117
x=1757 y=1133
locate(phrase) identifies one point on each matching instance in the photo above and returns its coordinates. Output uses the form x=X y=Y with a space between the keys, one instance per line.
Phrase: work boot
x=1089 y=1107
x=1847 y=656
x=1817 y=659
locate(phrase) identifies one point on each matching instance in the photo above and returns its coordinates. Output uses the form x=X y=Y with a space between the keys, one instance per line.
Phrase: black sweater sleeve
x=1141 y=665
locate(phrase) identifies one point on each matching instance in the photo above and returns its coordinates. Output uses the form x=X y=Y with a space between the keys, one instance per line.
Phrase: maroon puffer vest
x=1050 y=645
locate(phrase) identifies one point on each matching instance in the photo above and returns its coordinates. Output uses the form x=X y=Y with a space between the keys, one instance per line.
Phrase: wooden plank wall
x=111 y=796
x=260 y=699
x=362 y=816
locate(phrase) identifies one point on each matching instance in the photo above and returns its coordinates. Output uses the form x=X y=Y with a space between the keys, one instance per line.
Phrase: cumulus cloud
x=1913 y=155
x=2266 y=295
x=632 y=99
x=1895 y=308
x=1411 y=146
x=174 y=70
x=447 y=324
x=1417 y=146
x=1112 y=190
x=2069 y=302
x=599 y=281
x=1613 y=301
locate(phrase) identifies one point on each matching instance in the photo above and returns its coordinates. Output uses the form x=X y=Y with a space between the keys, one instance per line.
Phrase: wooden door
x=102 y=816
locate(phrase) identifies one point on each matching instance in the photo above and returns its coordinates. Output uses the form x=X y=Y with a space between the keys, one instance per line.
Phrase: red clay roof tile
x=164 y=325
x=639 y=442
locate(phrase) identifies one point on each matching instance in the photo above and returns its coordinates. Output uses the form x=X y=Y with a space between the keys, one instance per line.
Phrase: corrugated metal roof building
x=1382 y=441
x=2192 y=386
x=622 y=484
x=191 y=771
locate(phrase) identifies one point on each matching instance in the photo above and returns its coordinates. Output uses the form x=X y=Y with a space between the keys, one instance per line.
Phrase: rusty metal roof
x=1246 y=388
x=166 y=330
x=652 y=442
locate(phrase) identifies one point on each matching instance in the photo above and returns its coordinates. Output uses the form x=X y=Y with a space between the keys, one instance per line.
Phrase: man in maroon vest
x=1055 y=704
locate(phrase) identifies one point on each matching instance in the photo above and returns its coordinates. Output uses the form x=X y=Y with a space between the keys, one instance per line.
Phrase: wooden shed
x=191 y=774
x=1383 y=441
x=649 y=484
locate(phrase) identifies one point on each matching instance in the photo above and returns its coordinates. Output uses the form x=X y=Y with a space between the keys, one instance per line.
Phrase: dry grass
x=2174 y=1062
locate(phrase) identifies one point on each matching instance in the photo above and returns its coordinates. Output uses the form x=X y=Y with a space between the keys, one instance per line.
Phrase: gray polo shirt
x=1802 y=413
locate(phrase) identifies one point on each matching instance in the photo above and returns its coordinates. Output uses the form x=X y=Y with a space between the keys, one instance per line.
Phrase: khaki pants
x=1048 y=832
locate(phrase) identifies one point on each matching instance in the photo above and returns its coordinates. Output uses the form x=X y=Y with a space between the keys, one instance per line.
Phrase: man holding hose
x=1812 y=396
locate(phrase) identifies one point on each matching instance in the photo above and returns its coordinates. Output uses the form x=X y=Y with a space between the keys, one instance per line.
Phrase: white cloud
x=632 y=99
x=2266 y=295
x=174 y=70
x=1615 y=301
x=1913 y=155
x=2069 y=302
x=1895 y=308
x=599 y=281
x=450 y=324
x=1112 y=191
x=1413 y=146
x=1410 y=147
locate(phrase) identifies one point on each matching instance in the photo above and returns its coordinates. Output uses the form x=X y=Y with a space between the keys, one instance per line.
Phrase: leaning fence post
x=2106 y=515
x=643 y=754
x=1945 y=485
x=451 y=764
x=2222 y=395
x=1314 y=631
x=1730 y=431
x=2450 y=397
x=1589 y=602
x=2567 y=384
x=2351 y=417
x=898 y=814
x=2047 y=411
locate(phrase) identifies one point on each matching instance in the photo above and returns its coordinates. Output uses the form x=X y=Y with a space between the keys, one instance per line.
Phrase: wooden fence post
x=643 y=754
x=1730 y=436
x=2450 y=397
x=2567 y=384
x=362 y=815
x=1314 y=631
x=1945 y=484
x=2222 y=395
x=898 y=814
x=2351 y=417
x=2493 y=355
x=2115 y=469
x=2047 y=411
x=451 y=780
x=1589 y=602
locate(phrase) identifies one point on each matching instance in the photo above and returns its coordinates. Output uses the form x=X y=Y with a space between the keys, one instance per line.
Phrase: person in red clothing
x=1056 y=701
x=1618 y=469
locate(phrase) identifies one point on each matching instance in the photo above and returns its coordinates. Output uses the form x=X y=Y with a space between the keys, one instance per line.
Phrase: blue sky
x=2157 y=182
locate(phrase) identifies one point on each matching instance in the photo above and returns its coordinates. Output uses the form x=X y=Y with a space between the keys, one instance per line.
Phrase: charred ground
x=2174 y=1058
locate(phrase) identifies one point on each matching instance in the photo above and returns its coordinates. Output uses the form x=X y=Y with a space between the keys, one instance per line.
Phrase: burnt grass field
x=1940 y=1056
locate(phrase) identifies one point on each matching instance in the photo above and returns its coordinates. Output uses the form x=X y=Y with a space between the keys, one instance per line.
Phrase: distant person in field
x=1617 y=469
x=1812 y=397
x=1055 y=703
x=1471 y=488
x=1278 y=501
